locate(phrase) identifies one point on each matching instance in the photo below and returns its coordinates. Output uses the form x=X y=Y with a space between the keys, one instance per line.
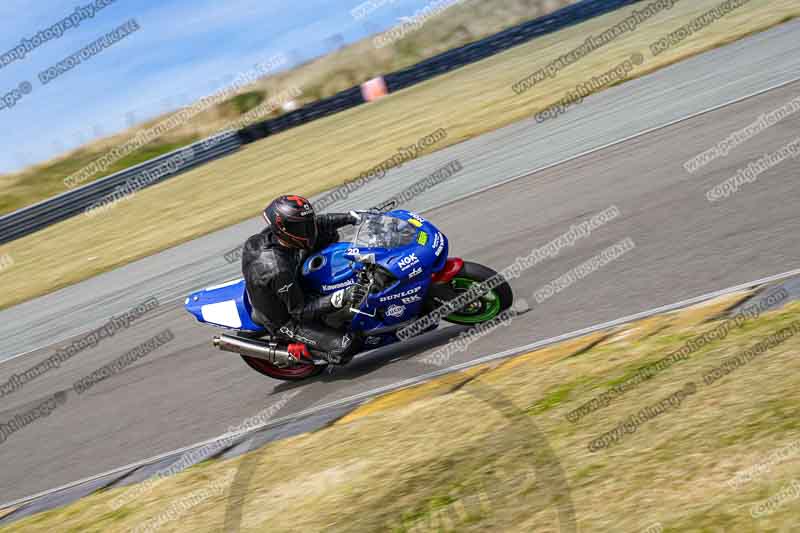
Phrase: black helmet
x=293 y=221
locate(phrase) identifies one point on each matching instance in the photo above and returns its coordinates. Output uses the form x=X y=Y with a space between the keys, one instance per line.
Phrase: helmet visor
x=302 y=230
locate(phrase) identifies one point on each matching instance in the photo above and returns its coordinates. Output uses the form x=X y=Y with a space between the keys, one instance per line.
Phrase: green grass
x=553 y=399
x=244 y=102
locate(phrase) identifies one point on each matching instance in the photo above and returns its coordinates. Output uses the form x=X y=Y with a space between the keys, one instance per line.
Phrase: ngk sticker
x=408 y=261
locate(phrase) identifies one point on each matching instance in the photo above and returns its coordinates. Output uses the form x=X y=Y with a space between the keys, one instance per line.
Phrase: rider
x=271 y=264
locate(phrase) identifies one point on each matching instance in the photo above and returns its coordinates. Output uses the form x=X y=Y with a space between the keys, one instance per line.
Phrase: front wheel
x=486 y=307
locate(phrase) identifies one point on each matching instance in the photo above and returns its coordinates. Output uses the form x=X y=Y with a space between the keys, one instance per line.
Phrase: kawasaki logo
x=338 y=286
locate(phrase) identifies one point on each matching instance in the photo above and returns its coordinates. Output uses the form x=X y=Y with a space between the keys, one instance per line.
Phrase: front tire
x=488 y=306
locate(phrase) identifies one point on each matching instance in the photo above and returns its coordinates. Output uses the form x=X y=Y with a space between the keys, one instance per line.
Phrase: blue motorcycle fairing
x=334 y=268
x=329 y=270
x=435 y=245
x=412 y=265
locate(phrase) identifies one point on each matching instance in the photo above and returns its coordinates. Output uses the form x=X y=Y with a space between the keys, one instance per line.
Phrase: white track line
x=356 y=398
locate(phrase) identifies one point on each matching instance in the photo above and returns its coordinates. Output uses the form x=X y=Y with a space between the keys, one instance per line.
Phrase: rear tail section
x=225 y=305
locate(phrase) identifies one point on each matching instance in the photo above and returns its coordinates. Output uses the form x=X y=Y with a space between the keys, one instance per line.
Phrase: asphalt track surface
x=187 y=392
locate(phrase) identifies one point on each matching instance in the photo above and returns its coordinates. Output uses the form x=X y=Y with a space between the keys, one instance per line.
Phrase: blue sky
x=185 y=49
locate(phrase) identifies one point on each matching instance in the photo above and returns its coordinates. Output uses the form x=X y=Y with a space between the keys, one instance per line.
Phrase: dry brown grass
x=323 y=154
x=477 y=459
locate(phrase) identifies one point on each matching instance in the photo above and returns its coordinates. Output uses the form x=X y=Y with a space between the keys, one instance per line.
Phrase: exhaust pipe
x=268 y=351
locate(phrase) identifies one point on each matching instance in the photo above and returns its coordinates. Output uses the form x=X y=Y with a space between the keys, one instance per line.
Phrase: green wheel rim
x=481 y=310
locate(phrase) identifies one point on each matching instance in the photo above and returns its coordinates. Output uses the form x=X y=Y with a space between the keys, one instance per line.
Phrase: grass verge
x=489 y=454
x=323 y=154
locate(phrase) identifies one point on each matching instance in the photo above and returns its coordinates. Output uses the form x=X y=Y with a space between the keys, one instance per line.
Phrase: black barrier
x=321 y=108
x=43 y=214
x=439 y=64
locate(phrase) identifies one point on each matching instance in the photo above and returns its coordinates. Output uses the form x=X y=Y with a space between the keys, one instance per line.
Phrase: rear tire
x=296 y=373
x=488 y=306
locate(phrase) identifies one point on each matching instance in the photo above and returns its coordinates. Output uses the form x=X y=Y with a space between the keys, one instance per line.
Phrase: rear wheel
x=487 y=306
x=294 y=373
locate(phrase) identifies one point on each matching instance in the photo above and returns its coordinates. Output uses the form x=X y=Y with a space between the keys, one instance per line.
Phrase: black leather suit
x=272 y=274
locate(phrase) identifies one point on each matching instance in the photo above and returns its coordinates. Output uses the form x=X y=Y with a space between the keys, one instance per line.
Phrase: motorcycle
x=399 y=265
